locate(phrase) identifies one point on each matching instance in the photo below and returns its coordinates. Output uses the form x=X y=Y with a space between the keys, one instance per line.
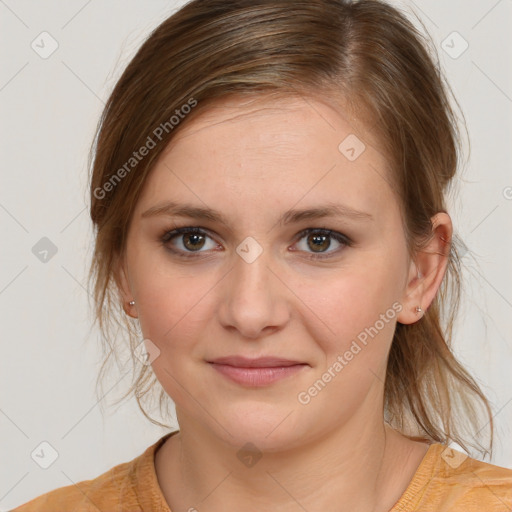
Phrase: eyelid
x=171 y=233
x=324 y=231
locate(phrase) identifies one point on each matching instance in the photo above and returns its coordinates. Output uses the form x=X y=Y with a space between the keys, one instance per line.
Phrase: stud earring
x=132 y=303
x=419 y=310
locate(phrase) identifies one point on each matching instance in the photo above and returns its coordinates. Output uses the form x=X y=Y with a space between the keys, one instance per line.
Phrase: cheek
x=172 y=315
x=357 y=306
x=170 y=307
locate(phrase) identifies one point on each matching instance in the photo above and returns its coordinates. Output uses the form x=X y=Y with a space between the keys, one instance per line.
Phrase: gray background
x=49 y=108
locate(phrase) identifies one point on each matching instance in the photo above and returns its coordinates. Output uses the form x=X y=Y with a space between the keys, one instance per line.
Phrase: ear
x=427 y=270
x=122 y=282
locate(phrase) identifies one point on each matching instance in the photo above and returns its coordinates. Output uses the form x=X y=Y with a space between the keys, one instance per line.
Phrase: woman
x=268 y=192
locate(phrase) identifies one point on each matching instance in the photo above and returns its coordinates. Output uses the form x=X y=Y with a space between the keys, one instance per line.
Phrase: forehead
x=295 y=114
x=273 y=153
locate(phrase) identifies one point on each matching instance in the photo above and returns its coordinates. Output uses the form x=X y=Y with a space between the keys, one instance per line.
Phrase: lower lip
x=256 y=377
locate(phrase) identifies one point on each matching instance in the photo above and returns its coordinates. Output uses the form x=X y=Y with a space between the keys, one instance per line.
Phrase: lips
x=260 y=362
x=262 y=371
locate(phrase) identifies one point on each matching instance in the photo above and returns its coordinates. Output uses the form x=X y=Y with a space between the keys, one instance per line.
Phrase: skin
x=252 y=161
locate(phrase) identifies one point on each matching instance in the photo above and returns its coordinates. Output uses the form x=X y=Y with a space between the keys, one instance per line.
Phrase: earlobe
x=413 y=307
x=125 y=293
x=427 y=271
x=129 y=309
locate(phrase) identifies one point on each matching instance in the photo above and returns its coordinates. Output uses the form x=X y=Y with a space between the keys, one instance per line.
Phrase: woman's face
x=249 y=286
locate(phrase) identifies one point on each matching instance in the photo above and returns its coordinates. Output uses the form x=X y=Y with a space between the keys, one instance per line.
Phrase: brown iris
x=196 y=241
x=320 y=242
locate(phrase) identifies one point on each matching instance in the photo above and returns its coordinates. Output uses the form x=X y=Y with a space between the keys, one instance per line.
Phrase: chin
x=269 y=429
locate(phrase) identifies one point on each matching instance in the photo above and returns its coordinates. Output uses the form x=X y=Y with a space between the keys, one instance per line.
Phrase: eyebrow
x=171 y=208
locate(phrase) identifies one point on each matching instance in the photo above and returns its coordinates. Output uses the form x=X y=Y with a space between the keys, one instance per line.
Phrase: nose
x=253 y=298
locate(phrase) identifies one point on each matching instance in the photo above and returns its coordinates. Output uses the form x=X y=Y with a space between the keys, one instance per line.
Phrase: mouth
x=258 y=372
x=259 y=362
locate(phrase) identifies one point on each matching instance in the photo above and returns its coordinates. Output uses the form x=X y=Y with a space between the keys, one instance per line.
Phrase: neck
x=362 y=467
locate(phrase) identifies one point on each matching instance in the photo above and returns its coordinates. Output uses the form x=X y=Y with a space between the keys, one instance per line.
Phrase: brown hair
x=364 y=52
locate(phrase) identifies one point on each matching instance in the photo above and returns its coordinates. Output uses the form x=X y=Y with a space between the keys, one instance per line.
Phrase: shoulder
x=449 y=480
x=123 y=488
x=473 y=482
x=100 y=493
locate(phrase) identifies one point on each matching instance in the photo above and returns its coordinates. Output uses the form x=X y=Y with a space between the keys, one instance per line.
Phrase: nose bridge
x=253 y=298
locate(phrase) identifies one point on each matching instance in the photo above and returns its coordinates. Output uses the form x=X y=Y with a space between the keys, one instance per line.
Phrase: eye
x=319 y=240
x=192 y=240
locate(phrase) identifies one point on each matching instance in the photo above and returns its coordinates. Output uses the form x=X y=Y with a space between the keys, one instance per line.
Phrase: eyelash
x=339 y=237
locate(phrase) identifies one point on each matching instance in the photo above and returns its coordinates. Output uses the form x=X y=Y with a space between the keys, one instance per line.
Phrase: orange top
x=445 y=480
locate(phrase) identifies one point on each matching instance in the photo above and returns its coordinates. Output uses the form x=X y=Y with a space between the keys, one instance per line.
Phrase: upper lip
x=260 y=362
